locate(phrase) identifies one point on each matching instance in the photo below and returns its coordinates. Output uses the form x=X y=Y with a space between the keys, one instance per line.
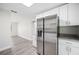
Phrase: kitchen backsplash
x=74 y=30
x=78 y=30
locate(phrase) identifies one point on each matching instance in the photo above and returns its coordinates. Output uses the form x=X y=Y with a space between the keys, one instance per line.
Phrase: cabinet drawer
x=74 y=50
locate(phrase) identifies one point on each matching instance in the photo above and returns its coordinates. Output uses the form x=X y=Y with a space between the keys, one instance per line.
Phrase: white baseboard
x=2 y=49
x=25 y=37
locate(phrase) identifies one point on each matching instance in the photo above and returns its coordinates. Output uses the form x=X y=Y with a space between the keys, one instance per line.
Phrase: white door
x=14 y=27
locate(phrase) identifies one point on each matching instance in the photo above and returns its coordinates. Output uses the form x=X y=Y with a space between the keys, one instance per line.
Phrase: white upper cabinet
x=47 y=13
x=63 y=15
x=73 y=13
x=52 y=12
x=68 y=14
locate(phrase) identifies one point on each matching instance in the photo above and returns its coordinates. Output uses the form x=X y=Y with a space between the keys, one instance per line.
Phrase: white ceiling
x=29 y=11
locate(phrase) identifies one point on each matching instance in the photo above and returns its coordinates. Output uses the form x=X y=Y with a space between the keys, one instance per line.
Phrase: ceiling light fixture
x=28 y=4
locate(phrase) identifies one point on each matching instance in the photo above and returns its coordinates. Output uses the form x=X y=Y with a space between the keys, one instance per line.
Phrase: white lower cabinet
x=63 y=15
x=74 y=50
x=64 y=47
x=68 y=48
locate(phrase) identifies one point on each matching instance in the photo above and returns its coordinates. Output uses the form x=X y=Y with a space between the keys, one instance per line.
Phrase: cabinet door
x=73 y=14
x=74 y=50
x=62 y=48
x=63 y=17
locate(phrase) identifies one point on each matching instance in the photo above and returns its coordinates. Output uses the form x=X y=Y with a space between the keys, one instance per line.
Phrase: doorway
x=14 y=28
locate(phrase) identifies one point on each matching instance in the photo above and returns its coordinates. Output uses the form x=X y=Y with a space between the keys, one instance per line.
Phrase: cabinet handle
x=68 y=43
x=68 y=49
x=69 y=22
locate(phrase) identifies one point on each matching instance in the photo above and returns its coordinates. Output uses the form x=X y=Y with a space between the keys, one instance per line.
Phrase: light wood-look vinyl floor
x=22 y=46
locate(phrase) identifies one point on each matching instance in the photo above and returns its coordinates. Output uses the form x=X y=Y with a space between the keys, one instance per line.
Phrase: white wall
x=24 y=25
x=5 y=29
x=34 y=32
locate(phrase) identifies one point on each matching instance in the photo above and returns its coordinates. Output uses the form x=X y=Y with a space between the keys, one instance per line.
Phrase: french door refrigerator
x=47 y=35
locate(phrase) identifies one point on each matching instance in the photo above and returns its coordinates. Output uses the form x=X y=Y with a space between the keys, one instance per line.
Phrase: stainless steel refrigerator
x=47 y=35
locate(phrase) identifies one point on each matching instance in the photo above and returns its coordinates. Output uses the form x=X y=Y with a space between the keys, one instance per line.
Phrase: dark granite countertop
x=68 y=36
